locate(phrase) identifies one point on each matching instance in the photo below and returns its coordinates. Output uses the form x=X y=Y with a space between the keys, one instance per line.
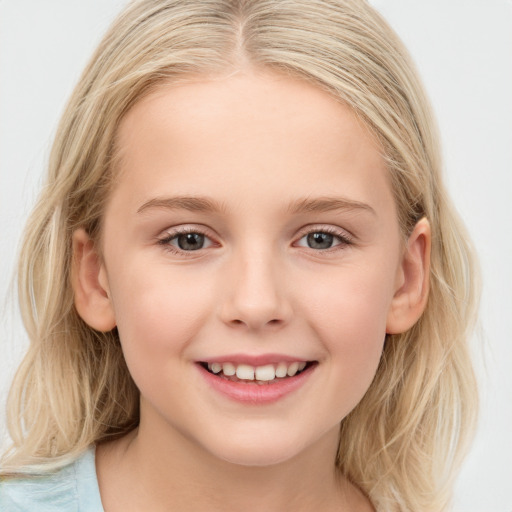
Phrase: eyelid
x=171 y=233
x=343 y=235
x=345 y=238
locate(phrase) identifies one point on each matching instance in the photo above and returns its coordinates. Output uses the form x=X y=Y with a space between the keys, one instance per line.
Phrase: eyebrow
x=327 y=204
x=303 y=205
x=192 y=204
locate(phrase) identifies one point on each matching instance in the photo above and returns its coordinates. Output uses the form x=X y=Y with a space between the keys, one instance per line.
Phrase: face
x=251 y=231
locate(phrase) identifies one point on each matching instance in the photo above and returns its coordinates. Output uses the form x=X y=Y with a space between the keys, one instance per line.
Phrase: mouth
x=266 y=374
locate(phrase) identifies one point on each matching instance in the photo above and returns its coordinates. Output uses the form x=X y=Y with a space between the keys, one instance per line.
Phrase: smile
x=260 y=374
x=262 y=382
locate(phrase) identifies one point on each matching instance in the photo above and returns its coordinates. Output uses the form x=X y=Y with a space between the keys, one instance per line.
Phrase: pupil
x=190 y=241
x=320 y=240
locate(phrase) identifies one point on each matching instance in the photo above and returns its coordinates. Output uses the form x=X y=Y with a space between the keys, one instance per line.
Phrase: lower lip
x=253 y=393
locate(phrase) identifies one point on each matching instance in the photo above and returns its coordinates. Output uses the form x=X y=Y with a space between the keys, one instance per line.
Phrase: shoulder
x=73 y=488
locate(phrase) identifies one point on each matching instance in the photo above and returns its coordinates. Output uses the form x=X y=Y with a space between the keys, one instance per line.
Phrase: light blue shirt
x=74 y=488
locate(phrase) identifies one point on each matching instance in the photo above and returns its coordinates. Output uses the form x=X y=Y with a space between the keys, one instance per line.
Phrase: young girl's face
x=251 y=227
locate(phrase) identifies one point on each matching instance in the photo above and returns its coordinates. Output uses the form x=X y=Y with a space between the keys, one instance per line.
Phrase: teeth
x=263 y=373
x=281 y=370
x=245 y=372
x=216 y=367
x=229 y=369
x=293 y=369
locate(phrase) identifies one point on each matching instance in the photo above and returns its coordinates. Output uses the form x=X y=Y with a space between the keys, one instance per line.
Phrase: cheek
x=355 y=299
x=349 y=317
x=157 y=314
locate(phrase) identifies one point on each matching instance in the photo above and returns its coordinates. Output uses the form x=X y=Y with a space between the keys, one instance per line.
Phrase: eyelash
x=344 y=239
x=166 y=241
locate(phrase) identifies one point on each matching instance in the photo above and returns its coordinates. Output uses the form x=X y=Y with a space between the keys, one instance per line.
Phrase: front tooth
x=266 y=372
x=293 y=369
x=245 y=372
x=281 y=370
x=216 y=367
x=228 y=369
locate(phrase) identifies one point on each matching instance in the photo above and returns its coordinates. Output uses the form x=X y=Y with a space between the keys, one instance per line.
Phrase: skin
x=258 y=145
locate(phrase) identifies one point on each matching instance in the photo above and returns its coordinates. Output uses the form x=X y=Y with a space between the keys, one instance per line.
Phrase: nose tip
x=255 y=320
x=256 y=298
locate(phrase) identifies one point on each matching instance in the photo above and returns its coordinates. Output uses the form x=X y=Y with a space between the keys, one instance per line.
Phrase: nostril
x=275 y=321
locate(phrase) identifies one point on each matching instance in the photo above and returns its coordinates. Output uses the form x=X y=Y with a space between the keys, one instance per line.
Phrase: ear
x=90 y=284
x=412 y=284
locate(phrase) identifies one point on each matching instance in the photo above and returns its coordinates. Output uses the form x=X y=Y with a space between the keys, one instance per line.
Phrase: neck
x=149 y=474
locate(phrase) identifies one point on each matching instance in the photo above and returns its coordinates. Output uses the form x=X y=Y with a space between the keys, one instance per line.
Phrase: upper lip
x=254 y=360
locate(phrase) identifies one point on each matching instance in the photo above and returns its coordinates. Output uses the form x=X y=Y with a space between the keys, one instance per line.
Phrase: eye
x=323 y=239
x=189 y=241
x=186 y=241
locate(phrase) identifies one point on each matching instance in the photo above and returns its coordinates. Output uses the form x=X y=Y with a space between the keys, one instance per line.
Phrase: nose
x=256 y=294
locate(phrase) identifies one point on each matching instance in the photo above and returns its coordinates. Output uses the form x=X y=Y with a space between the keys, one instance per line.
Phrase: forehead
x=234 y=133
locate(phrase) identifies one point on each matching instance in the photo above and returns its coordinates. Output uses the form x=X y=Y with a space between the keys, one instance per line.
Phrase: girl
x=244 y=284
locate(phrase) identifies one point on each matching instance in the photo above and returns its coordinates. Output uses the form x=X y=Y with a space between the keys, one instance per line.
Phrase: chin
x=258 y=452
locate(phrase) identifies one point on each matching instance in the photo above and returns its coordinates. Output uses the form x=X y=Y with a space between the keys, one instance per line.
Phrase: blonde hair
x=404 y=440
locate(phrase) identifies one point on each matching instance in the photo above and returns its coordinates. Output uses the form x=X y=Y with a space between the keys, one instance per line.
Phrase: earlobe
x=90 y=284
x=410 y=298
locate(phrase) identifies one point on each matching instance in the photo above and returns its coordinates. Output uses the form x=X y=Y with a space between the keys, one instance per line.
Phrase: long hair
x=403 y=442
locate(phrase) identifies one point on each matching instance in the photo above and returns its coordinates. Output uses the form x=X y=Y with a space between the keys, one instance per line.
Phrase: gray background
x=463 y=49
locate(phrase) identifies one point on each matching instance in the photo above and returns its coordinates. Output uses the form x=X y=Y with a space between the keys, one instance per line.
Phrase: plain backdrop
x=463 y=50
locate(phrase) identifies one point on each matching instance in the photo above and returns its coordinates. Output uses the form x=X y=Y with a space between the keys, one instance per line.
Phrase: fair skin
x=251 y=222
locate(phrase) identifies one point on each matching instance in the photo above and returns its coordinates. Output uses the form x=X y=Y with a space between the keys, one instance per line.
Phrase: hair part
x=404 y=440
